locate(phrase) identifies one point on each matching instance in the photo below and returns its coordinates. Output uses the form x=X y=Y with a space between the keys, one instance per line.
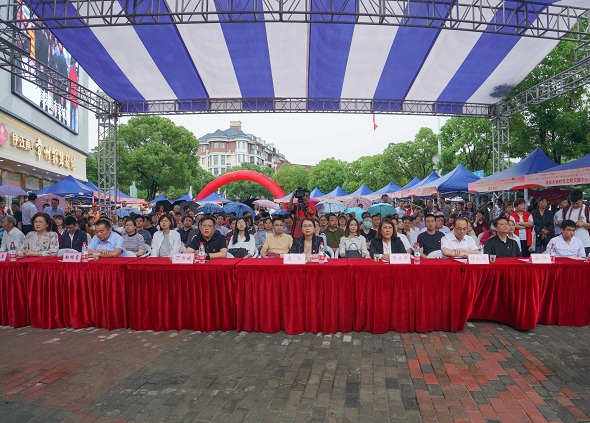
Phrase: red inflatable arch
x=242 y=175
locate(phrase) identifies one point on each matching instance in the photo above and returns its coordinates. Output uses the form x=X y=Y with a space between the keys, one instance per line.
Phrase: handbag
x=349 y=253
x=238 y=252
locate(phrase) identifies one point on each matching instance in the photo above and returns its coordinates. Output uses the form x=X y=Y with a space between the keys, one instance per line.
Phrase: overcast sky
x=308 y=138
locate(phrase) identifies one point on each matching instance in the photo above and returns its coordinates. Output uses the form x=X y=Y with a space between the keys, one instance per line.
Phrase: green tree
x=559 y=126
x=246 y=189
x=467 y=141
x=290 y=177
x=158 y=155
x=368 y=170
x=328 y=174
x=405 y=160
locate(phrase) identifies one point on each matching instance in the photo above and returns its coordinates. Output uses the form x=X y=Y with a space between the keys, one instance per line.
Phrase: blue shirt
x=115 y=241
x=52 y=213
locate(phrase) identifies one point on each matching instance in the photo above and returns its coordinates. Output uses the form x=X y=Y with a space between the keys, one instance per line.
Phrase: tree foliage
x=328 y=174
x=158 y=155
x=466 y=141
x=559 y=126
x=290 y=177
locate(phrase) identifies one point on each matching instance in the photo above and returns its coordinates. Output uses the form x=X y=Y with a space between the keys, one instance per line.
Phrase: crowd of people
x=438 y=228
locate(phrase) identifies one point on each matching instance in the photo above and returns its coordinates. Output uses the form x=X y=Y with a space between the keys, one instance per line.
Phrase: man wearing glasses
x=458 y=243
x=214 y=243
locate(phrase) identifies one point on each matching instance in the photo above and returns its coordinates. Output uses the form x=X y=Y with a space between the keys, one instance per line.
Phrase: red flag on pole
x=375 y=126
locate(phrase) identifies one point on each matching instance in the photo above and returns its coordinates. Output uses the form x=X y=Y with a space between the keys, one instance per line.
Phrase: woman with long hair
x=166 y=241
x=353 y=240
x=242 y=238
x=386 y=241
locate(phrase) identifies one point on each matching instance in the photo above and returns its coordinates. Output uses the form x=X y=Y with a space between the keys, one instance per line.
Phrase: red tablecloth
x=514 y=292
x=166 y=296
x=408 y=298
x=78 y=295
x=14 y=307
x=574 y=293
x=272 y=296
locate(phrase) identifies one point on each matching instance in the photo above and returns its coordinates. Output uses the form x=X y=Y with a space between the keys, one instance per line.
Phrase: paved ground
x=488 y=372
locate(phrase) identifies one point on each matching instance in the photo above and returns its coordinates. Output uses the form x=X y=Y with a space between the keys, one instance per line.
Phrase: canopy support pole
x=107 y=157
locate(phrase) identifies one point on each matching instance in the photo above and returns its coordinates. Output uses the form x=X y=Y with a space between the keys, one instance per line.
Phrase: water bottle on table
x=321 y=253
x=202 y=254
x=416 y=253
x=552 y=253
x=84 y=253
x=12 y=252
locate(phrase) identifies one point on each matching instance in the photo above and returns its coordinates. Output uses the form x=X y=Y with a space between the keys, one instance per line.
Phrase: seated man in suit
x=73 y=237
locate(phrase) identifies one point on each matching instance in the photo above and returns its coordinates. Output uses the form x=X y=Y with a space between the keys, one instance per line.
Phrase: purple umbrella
x=11 y=190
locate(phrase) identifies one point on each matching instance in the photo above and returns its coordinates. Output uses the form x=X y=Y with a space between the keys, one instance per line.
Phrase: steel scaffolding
x=107 y=157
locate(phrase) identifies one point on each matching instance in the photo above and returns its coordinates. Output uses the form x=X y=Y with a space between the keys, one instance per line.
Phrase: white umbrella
x=330 y=206
x=266 y=203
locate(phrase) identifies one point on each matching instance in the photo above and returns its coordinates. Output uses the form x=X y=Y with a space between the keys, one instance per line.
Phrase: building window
x=204 y=160
x=203 y=149
x=222 y=145
x=215 y=160
x=222 y=160
x=252 y=158
x=215 y=171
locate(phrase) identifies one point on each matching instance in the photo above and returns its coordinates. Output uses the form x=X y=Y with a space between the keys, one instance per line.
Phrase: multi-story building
x=221 y=150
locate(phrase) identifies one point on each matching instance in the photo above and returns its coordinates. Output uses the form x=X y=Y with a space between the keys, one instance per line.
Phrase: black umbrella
x=192 y=206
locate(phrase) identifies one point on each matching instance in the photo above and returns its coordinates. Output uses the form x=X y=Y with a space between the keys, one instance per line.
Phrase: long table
x=268 y=296
x=166 y=296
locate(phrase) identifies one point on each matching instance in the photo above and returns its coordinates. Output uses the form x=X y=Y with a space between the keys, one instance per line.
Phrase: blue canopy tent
x=387 y=189
x=456 y=181
x=514 y=177
x=185 y=197
x=363 y=190
x=69 y=188
x=576 y=172
x=158 y=199
x=213 y=198
x=90 y=185
x=336 y=192
x=316 y=193
x=406 y=192
x=410 y=184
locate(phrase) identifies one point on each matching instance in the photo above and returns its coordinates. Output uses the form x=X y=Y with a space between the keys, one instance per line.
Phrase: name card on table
x=72 y=257
x=294 y=259
x=3 y=256
x=478 y=259
x=183 y=258
x=399 y=259
x=540 y=259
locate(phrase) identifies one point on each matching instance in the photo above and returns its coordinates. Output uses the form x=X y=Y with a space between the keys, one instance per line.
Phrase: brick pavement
x=489 y=372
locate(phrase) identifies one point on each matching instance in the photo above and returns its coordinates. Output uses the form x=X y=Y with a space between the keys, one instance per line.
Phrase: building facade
x=221 y=150
x=43 y=137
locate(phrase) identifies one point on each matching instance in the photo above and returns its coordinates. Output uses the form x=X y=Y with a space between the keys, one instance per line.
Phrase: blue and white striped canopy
x=303 y=60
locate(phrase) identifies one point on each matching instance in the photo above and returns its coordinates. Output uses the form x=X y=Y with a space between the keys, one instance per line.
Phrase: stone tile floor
x=488 y=372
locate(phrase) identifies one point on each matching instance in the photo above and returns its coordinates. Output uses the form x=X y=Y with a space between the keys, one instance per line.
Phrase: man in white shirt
x=567 y=245
x=457 y=243
x=440 y=224
x=29 y=209
x=11 y=234
x=579 y=213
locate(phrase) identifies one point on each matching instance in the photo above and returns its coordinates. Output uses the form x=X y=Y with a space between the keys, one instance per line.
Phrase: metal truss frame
x=500 y=143
x=529 y=18
x=106 y=156
x=302 y=105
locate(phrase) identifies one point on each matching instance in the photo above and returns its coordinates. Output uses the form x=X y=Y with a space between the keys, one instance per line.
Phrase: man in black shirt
x=429 y=240
x=501 y=245
x=214 y=243
x=185 y=229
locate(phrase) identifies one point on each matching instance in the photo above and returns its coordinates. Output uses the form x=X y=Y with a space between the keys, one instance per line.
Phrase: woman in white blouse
x=243 y=239
x=41 y=241
x=166 y=241
x=352 y=240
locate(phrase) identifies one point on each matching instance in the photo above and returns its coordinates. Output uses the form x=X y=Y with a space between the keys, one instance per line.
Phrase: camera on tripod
x=299 y=194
